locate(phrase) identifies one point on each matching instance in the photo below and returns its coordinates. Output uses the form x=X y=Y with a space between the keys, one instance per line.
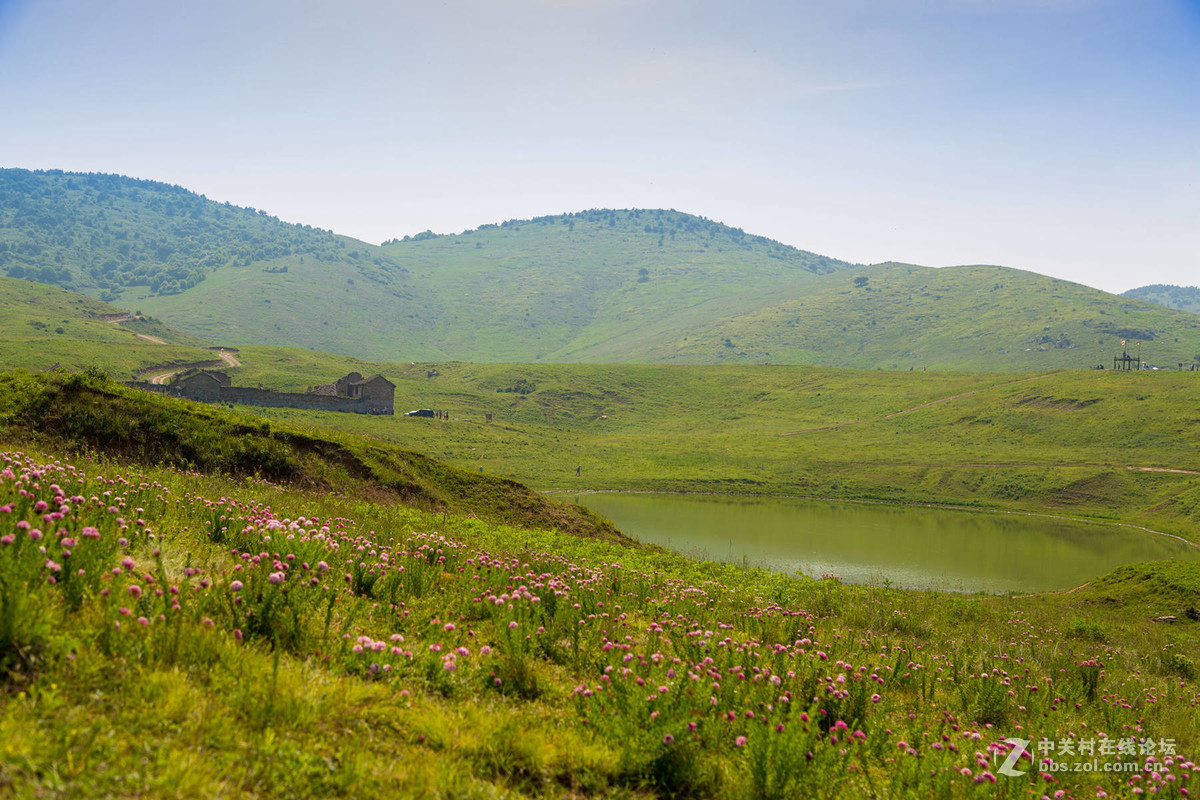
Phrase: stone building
x=352 y=393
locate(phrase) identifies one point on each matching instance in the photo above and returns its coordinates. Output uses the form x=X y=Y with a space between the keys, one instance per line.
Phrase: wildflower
x=235 y=586
x=52 y=566
x=135 y=591
x=512 y=624
x=275 y=577
x=740 y=741
x=668 y=739
x=449 y=665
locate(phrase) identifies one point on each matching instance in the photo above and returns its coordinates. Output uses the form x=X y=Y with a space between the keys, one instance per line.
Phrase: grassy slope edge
x=464 y=659
x=85 y=412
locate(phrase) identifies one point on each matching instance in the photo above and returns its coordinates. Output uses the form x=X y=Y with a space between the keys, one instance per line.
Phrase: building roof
x=374 y=379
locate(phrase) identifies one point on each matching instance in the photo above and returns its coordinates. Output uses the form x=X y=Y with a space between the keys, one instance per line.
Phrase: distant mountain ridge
x=1183 y=298
x=106 y=233
x=604 y=285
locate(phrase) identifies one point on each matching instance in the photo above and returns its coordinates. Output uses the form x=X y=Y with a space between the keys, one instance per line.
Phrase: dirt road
x=164 y=377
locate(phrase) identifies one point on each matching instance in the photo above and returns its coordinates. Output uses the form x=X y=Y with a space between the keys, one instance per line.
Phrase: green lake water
x=960 y=551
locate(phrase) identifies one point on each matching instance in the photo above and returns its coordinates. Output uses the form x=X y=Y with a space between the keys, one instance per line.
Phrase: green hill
x=900 y=316
x=649 y=286
x=41 y=326
x=601 y=285
x=1184 y=298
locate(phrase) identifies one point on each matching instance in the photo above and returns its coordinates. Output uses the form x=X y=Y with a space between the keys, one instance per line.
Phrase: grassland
x=973 y=317
x=600 y=286
x=41 y=326
x=84 y=412
x=200 y=636
x=1119 y=446
x=1079 y=442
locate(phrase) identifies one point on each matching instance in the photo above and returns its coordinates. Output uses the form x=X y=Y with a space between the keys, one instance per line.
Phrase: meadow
x=172 y=634
x=1088 y=443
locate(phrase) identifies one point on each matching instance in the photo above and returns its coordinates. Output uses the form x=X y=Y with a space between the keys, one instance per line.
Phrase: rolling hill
x=650 y=286
x=43 y=326
x=1184 y=298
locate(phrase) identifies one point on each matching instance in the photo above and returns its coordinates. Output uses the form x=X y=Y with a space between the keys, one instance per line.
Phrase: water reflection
x=910 y=547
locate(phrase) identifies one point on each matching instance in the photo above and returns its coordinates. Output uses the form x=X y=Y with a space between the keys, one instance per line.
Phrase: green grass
x=41 y=326
x=970 y=317
x=545 y=291
x=1080 y=442
x=258 y=690
x=83 y=412
x=601 y=286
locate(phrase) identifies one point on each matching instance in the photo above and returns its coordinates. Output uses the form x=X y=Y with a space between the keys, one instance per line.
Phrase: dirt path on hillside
x=229 y=358
x=117 y=319
x=939 y=401
x=164 y=377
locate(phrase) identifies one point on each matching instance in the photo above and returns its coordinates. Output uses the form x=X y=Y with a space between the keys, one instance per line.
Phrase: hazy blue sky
x=1061 y=136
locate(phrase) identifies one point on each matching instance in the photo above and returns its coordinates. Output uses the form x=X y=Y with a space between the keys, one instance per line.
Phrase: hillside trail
x=939 y=401
x=117 y=319
x=161 y=378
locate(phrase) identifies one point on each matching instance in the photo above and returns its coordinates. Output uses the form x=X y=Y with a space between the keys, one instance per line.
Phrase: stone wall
x=322 y=402
x=245 y=395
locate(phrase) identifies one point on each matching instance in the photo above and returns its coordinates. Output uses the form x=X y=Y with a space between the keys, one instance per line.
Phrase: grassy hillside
x=1080 y=442
x=646 y=286
x=596 y=286
x=83 y=412
x=900 y=316
x=216 y=642
x=41 y=326
x=1184 y=298
x=105 y=233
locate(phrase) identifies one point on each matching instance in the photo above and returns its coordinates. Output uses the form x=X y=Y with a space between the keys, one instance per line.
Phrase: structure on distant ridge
x=1127 y=362
x=352 y=393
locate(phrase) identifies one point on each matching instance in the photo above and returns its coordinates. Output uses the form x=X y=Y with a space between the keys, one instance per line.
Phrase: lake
x=918 y=548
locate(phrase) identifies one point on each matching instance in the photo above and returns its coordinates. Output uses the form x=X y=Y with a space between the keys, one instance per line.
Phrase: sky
x=1058 y=136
